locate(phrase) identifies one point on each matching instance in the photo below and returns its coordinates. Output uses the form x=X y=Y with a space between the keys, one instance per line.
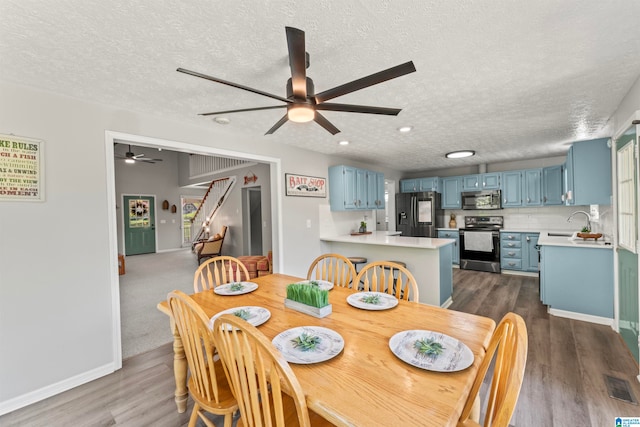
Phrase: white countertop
x=546 y=240
x=383 y=238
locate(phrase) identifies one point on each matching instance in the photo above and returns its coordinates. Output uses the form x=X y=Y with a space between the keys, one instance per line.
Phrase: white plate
x=322 y=284
x=330 y=345
x=257 y=315
x=456 y=356
x=226 y=288
x=386 y=301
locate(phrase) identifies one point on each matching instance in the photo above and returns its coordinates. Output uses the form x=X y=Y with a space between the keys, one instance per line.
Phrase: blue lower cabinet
x=578 y=280
x=450 y=234
x=518 y=251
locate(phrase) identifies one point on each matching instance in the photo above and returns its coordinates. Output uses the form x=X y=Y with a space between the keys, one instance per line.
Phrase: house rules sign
x=21 y=169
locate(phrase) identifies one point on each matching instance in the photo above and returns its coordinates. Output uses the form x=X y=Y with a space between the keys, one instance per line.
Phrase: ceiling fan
x=130 y=157
x=303 y=105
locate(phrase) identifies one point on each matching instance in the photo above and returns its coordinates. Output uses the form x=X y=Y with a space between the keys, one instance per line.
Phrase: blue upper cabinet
x=588 y=173
x=409 y=185
x=419 y=184
x=532 y=187
x=484 y=181
x=355 y=189
x=552 y=189
x=511 y=189
x=451 y=188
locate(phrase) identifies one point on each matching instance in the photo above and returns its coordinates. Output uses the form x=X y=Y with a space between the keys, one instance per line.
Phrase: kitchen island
x=576 y=277
x=428 y=259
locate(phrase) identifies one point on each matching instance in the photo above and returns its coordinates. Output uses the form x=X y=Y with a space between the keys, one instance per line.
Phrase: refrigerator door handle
x=414 y=208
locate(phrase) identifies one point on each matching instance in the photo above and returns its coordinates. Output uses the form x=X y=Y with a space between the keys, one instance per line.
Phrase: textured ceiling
x=509 y=79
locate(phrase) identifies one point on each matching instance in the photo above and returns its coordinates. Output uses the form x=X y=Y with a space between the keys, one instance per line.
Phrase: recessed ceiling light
x=405 y=129
x=460 y=154
x=343 y=142
x=221 y=120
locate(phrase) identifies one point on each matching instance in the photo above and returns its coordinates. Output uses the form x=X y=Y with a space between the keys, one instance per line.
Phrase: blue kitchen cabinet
x=451 y=234
x=588 y=173
x=375 y=190
x=518 y=251
x=451 y=188
x=532 y=187
x=484 y=181
x=552 y=188
x=428 y=184
x=511 y=189
x=577 y=279
x=354 y=189
x=409 y=185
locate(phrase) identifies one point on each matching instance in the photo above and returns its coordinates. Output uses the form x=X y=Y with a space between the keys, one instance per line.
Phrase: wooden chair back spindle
x=218 y=271
x=390 y=278
x=334 y=268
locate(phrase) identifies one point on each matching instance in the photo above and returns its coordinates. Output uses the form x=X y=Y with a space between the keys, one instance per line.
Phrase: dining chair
x=208 y=385
x=334 y=268
x=267 y=390
x=218 y=271
x=388 y=277
x=509 y=344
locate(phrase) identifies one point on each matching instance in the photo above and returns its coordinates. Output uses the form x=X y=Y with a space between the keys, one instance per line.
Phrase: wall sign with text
x=21 y=169
x=304 y=185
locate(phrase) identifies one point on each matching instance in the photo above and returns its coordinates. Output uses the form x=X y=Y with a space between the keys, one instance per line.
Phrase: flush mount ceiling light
x=301 y=113
x=405 y=129
x=343 y=142
x=460 y=154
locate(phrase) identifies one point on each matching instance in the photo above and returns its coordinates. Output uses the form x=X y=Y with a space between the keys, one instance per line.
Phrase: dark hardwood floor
x=564 y=382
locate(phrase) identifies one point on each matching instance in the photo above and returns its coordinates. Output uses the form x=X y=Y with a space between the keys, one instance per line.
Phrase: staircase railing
x=211 y=202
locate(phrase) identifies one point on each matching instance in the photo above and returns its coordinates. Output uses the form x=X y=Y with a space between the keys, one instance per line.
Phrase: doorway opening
x=252 y=220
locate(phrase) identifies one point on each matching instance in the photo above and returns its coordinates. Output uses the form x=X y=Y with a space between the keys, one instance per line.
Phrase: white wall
x=57 y=272
x=629 y=105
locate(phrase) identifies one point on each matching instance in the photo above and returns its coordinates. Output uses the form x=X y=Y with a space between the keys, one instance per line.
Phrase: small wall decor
x=174 y=209
x=304 y=185
x=250 y=177
x=21 y=169
x=165 y=205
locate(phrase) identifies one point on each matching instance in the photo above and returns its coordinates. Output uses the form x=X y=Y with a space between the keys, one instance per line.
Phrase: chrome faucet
x=585 y=214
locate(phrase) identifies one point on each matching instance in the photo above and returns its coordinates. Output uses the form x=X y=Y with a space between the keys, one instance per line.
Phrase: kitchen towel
x=479 y=241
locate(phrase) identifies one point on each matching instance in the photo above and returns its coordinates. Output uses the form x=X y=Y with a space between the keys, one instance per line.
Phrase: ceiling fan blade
x=242 y=110
x=373 y=79
x=279 y=123
x=329 y=106
x=297 y=62
x=137 y=156
x=322 y=121
x=236 y=85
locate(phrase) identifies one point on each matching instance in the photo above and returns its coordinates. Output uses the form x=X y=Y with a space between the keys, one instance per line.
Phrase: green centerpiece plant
x=308 y=299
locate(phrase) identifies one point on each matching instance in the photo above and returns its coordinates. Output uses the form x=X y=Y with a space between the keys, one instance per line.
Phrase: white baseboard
x=53 y=389
x=173 y=249
x=519 y=273
x=447 y=303
x=580 y=316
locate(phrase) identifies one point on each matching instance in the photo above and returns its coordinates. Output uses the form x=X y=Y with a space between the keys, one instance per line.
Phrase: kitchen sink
x=559 y=234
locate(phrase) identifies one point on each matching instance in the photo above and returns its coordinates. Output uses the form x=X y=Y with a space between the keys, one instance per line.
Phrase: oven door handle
x=414 y=210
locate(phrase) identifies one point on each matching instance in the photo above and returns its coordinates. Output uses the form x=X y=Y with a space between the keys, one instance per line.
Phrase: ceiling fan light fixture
x=301 y=113
x=129 y=161
x=405 y=129
x=343 y=142
x=460 y=154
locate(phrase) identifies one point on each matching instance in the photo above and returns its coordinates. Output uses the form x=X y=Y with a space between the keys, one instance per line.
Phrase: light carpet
x=147 y=281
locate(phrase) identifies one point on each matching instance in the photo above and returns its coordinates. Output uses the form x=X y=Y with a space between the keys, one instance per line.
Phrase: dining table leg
x=179 y=370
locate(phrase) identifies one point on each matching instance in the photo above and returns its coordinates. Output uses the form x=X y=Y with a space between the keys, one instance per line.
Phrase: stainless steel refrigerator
x=419 y=214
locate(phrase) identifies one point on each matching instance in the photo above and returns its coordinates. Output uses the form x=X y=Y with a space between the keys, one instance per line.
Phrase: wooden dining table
x=365 y=384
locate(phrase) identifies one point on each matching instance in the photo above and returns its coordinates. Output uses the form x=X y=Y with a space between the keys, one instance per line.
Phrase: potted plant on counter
x=363 y=227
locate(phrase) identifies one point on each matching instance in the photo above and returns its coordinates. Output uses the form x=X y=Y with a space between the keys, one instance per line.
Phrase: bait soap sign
x=21 y=169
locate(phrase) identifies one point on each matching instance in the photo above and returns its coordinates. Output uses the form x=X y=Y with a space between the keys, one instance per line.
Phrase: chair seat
x=357 y=259
x=398 y=262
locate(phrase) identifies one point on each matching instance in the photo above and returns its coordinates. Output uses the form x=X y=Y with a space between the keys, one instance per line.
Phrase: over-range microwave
x=481 y=200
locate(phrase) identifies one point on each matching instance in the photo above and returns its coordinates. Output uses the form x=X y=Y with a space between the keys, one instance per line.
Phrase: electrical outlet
x=308 y=223
x=595 y=213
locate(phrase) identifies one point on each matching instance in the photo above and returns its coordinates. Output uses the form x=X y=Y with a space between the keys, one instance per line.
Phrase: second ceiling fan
x=302 y=103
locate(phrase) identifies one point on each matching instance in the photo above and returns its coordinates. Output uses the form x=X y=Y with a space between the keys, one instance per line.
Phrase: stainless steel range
x=480 y=243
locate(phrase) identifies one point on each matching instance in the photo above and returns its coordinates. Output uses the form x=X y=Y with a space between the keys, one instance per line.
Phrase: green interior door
x=627 y=190
x=139 y=225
